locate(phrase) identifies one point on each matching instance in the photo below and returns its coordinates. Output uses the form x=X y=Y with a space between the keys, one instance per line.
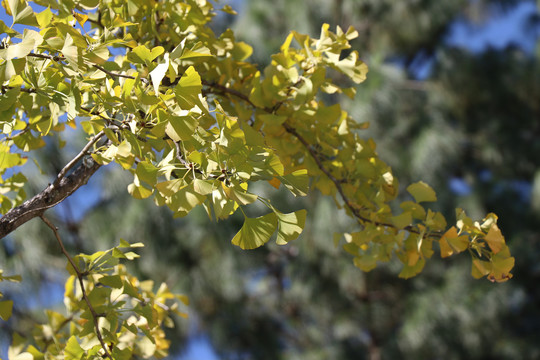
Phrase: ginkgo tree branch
x=229 y=91
x=58 y=58
x=339 y=187
x=337 y=182
x=320 y=165
x=47 y=56
x=79 y=156
x=80 y=278
x=113 y=74
x=54 y=193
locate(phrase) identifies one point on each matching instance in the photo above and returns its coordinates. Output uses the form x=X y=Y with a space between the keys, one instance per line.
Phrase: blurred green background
x=452 y=98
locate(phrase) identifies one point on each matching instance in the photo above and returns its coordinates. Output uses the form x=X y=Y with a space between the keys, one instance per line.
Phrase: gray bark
x=52 y=195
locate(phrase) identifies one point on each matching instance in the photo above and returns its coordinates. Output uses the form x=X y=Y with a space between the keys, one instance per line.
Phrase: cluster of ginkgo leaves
x=110 y=313
x=195 y=123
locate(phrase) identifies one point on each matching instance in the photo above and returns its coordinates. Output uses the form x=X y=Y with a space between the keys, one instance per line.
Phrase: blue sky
x=501 y=30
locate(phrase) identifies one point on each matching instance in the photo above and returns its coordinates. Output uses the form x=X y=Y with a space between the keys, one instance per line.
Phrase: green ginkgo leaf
x=181 y=128
x=142 y=55
x=256 y=231
x=422 y=192
x=290 y=225
x=159 y=73
x=296 y=182
x=31 y=39
x=73 y=350
x=188 y=89
x=6 y=307
x=22 y=13
x=186 y=198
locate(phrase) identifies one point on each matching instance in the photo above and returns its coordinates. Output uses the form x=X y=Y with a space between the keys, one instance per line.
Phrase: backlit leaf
x=221 y=204
x=31 y=39
x=188 y=89
x=181 y=128
x=256 y=231
x=290 y=225
x=73 y=350
x=186 y=198
x=296 y=182
x=422 y=192
x=241 y=197
x=142 y=55
x=159 y=73
x=495 y=239
x=22 y=13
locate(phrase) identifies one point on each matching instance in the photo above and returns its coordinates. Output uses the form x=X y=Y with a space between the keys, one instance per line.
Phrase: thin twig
x=96 y=113
x=99 y=67
x=26 y=90
x=327 y=172
x=80 y=276
x=46 y=56
x=337 y=184
x=227 y=90
x=113 y=74
x=179 y=156
x=79 y=156
x=22 y=132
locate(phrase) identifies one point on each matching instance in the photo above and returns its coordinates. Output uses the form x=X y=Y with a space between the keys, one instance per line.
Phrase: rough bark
x=52 y=195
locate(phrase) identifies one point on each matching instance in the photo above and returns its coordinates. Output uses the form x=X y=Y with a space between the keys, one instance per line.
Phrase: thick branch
x=76 y=159
x=51 y=196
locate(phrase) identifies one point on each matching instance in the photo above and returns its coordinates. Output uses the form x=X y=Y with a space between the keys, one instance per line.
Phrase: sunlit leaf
x=422 y=192
x=495 y=239
x=31 y=40
x=188 y=89
x=296 y=182
x=22 y=13
x=73 y=350
x=502 y=263
x=290 y=226
x=159 y=73
x=480 y=268
x=181 y=128
x=141 y=54
x=451 y=242
x=256 y=231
